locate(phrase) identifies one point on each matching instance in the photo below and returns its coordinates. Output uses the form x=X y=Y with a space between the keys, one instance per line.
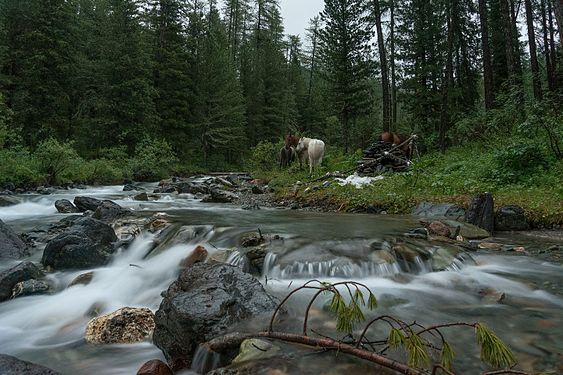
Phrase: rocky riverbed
x=82 y=270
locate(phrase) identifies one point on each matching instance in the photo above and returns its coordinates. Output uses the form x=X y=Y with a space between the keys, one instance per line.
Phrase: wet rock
x=22 y=272
x=157 y=222
x=467 y=231
x=155 y=367
x=30 y=287
x=86 y=203
x=124 y=326
x=251 y=207
x=206 y=301
x=193 y=188
x=257 y=189
x=256 y=349
x=6 y=201
x=439 y=228
x=129 y=187
x=109 y=211
x=198 y=255
x=143 y=197
x=481 y=212
x=11 y=245
x=87 y=243
x=65 y=206
x=252 y=239
x=82 y=279
x=437 y=210
x=45 y=190
x=510 y=218
x=220 y=196
x=12 y=366
x=421 y=233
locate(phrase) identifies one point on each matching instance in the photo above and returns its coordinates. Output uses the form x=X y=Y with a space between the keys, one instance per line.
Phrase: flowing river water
x=49 y=329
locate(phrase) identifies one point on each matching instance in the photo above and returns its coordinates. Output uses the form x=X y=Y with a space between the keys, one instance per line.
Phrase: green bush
x=518 y=161
x=265 y=156
x=154 y=159
x=56 y=159
x=19 y=167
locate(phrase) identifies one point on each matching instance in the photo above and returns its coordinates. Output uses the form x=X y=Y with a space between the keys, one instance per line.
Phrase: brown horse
x=397 y=139
x=293 y=141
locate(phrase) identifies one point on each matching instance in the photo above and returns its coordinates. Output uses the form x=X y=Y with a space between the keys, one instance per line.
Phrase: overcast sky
x=297 y=13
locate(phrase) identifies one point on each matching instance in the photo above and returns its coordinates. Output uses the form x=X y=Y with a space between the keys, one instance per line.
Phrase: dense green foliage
x=96 y=81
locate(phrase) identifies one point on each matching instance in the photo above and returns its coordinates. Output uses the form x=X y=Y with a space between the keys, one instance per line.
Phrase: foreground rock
x=6 y=201
x=109 y=211
x=481 y=212
x=12 y=366
x=155 y=367
x=86 y=203
x=11 y=245
x=511 y=218
x=204 y=302
x=22 y=272
x=30 y=287
x=87 y=243
x=64 y=206
x=124 y=326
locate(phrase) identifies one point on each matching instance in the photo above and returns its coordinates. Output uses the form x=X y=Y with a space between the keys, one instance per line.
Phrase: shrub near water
x=154 y=159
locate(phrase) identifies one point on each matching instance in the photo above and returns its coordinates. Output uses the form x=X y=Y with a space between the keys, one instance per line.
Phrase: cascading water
x=421 y=281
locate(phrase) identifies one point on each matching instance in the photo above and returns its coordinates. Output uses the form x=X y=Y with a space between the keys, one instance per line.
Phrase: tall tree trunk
x=487 y=65
x=515 y=46
x=311 y=76
x=533 y=54
x=384 y=71
x=392 y=61
x=553 y=52
x=446 y=83
x=509 y=40
x=345 y=130
x=558 y=8
x=548 y=67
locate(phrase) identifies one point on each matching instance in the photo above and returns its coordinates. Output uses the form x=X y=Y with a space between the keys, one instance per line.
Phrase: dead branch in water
x=417 y=341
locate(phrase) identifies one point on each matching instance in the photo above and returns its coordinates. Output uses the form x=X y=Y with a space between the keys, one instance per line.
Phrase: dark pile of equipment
x=383 y=157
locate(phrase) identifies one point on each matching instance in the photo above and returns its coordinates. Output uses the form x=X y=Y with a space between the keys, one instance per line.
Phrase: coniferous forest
x=193 y=84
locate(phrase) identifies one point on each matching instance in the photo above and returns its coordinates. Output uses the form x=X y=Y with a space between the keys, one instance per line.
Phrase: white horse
x=315 y=149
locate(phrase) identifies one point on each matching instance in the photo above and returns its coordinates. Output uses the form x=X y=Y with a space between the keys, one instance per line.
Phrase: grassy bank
x=517 y=173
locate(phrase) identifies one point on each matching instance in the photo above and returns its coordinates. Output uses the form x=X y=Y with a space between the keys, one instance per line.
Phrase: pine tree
x=171 y=80
x=39 y=66
x=345 y=52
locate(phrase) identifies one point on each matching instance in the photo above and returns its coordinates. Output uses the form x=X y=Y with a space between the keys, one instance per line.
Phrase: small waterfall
x=240 y=260
x=205 y=360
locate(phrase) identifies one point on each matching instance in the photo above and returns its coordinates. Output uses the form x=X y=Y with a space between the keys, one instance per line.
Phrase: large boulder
x=481 y=212
x=124 y=326
x=439 y=210
x=87 y=243
x=11 y=245
x=86 y=203
x=65 y=206
x=12 y=366
x=155 y=367
x=109 y=211
x=22 y=272
x=510 y=217
x=206 y=301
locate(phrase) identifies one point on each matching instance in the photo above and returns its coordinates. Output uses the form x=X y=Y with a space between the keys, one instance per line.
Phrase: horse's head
x=301 y=144
x=291 y=140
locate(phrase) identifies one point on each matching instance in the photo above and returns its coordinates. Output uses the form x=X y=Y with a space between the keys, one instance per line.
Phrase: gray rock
x=12 y=366
x=87 y=243
x=6 y=201
x=65 y=206
x=11 y=245
x=22 y=272
x=511 y=217
x=481 y=212
x=143 y=197
x=82 y=279
x=129 y=187
x=30 y=287
x=109 y=211
x=86 y=203
x=124 y=326
x=220 y=196
x=257 y=189
x=439 y=210
x=206 y=301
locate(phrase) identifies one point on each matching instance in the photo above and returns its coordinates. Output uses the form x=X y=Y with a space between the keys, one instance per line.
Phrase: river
x=49 y=329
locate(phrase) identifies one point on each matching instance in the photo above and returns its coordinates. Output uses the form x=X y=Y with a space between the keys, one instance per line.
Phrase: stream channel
x=49 y=329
